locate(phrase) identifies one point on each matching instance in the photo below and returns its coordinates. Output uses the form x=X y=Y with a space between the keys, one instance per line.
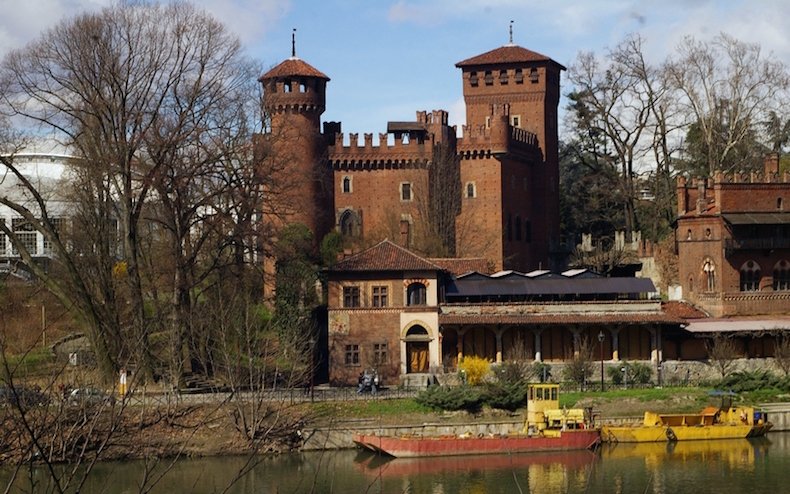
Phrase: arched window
x=470 y=190
x=416 y=294
x=346 y=185
x=750 y=277
x=350 y=223
x=690 y=285
x=709 y=270
x=782 y=275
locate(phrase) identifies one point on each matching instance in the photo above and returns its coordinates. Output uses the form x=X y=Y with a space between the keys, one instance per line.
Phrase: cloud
x=251 y=20
x=411 y=13
x=24 y=21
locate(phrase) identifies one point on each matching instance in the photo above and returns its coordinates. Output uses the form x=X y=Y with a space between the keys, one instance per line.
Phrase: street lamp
x=600 y=341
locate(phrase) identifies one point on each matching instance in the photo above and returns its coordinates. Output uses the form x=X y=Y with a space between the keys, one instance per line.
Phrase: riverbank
x=212 y=427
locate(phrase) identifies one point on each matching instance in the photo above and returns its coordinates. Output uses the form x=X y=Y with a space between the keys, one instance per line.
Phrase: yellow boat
x=723 y=422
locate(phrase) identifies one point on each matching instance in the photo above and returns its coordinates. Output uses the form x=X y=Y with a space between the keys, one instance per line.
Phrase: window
x=779 y=203
x=473 y=78
x=347 y=185
x=405 y=191
x=707 y=233
x=503 y=77
x=782 y=275
x=26 y=234
x=489 y=78
x=515 y=120
x=351 y=296
x=380 y=296
x=350 y=223
x=488 y=122
x=533 y=75
x=470 y=190
x=688 y=236
x=417 y=294
x=379 y=353
x=750 y=277
x=690 y=285
x=57 y=225
x=352 y=354
x=709 y=270
x=519 y=76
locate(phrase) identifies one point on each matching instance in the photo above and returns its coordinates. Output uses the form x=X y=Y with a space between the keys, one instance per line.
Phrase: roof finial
x=511 y=32
x=293 y=44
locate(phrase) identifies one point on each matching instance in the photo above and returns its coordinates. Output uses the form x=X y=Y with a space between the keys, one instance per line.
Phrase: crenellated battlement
x=740 y=191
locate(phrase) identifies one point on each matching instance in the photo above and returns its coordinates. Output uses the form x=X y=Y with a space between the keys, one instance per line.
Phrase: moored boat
x=546 y=428
x=722 y=422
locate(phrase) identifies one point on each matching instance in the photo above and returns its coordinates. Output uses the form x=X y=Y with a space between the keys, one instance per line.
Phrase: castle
x=492 y=193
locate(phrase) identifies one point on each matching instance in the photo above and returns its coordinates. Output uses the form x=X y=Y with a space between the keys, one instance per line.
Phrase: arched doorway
x=417 y=355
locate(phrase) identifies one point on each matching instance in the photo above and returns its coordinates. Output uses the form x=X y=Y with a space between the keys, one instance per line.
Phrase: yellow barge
x=724 y=422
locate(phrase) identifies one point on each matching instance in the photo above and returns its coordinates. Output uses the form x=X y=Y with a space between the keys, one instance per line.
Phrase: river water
x=752 y=466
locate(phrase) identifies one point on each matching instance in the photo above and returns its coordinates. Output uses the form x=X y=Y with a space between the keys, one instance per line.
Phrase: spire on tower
x=511 y=33
x=293 y=43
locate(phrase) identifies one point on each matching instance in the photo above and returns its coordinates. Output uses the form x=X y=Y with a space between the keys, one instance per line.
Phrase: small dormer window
x=533 y=75
x=473 y=78
x=503 y=77
x=489 y=78
x=519 y=76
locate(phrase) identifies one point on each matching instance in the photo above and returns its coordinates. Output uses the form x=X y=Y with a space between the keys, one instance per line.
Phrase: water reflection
x=733 y=466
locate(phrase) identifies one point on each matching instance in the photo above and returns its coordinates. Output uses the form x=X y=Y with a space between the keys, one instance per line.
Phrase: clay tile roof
x=506 y=54
x=458 y=267
x=293 y=67
x=385 y=256
x=563 y=319
x=682 y=310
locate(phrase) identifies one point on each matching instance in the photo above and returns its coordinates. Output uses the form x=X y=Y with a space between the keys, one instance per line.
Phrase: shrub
x=475 y=369
x=506 y=395
x=451 y=398
x=635 y=372
x=615 y=374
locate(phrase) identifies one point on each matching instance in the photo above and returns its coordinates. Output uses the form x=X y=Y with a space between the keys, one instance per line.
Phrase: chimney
x=771 y=163
x=701 y=200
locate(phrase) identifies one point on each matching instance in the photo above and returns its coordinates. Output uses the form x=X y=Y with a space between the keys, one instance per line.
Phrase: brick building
x=409 y=317
x=733 y=242
x=492 y=193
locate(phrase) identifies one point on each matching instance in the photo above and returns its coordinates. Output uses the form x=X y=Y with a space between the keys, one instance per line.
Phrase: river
x=754 y=466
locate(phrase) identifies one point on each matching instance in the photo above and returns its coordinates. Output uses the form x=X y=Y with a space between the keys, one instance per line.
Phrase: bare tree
x=722 y=352
x=782 y=351
x=151 y=100
x=617 y=101
x=728 y=88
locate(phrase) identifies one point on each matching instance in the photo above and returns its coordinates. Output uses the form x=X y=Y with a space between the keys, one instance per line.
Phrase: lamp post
x=600 y=341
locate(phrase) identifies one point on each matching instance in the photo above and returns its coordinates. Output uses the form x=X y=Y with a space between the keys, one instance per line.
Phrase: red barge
x=546 y=428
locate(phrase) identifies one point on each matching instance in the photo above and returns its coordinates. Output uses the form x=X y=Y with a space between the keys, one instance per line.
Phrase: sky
x=387 y=60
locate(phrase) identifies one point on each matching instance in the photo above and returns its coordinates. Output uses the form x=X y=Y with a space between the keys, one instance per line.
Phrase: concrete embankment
x=338 y=436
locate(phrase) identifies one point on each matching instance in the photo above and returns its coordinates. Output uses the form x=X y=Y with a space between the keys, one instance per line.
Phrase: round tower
x=294 y=97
